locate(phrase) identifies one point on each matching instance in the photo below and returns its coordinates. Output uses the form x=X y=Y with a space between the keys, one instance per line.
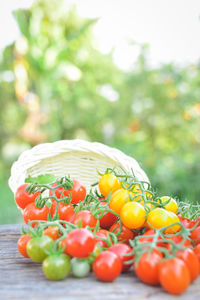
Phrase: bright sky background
x=170 y=27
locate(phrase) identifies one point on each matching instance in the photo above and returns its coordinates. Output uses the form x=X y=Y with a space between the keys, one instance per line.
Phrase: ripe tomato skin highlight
x=107 y=183
x=78 y=192
x=125 y=235
x=80 y=243
x=65 y=211
x=86 y=218
x=36 y=247
x=107 y=266
x=147 y=267
x=108 y=219
x=121 y=249
x=23 y=198
x=133 y=215
x=22 y=243
x=191 y=260
x=174 y=276
x=52 y=232
x=56 y=266
x=118 y=199
x=32 y=212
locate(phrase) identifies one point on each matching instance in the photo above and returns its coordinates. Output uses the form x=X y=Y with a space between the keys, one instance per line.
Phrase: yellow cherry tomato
x=133 y=215
x=118 y=199
x=107 y=183
x=160 y=217
x=171 y=205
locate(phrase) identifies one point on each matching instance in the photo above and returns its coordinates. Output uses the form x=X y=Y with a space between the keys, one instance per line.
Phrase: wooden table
x=20 y=278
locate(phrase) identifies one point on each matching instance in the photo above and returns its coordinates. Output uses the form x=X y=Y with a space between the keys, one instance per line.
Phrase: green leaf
x=22 y=17
x=41 y=179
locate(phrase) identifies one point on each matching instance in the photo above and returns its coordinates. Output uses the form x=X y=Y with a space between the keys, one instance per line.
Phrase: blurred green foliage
x=55 y=84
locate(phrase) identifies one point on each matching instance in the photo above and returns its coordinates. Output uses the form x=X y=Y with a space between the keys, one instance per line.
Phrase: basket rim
x=46 y=150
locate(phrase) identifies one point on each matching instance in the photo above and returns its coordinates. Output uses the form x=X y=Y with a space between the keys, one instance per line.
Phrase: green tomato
x=80 y=267
x=37 y=246
x=56 y=266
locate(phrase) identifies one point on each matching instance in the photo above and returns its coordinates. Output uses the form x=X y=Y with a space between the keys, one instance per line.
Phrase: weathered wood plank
x=20 y=278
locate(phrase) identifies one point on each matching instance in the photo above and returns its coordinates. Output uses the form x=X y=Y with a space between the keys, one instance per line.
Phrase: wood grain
x=20 y=278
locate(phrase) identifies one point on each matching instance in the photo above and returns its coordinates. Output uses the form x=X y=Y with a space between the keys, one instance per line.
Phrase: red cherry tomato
x=145 y=239
x=147 y=267
x=197 y=252
x=78 y=192
x=80 y=242
x=102 y=233
x=107 y=266
x=65 y=211
x=125 y=235
x=121 y=250
x=23 y=198
x=186 y=222
x=191 y=261
x=85 y=218
x=21 y=244
x=195 y=236
x=177 y=239
x=52 y=232
x=108 y=219
x=32 y=212
x=174 y=276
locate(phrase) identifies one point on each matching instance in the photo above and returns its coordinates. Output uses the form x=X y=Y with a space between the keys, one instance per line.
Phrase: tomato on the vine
x=80 y=267
x=52 y=232
x=191 y=260
x=119 y=199
x=177 y=239
x=107 y=266
x=37 y=247
x=171 y=205
x=78 y=192
x=80 y=243
x=32 y=212
x=147 y=267
x=22 y=243
x=133 y=215
x=85 y=218
x=195 y=236
x=145 y=239
x=197 y=252
x=56 y=266
x=125 y=235
x=121 y=250
x=108 y=219
x=23 y=198
x=102 y=233
x=174 y=276
x=65 y=211
x=107 y=183
x=159 y=218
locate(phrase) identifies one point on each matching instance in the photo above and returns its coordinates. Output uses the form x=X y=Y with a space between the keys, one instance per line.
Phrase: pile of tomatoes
x=120 y=226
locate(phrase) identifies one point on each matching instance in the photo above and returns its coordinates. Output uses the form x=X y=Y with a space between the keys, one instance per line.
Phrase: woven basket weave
x=80 y=159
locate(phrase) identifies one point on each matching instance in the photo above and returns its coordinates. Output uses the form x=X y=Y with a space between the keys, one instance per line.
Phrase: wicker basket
x=80 y=159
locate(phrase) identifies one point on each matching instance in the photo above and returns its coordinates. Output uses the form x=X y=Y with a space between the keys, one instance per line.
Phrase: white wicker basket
x=80 y=159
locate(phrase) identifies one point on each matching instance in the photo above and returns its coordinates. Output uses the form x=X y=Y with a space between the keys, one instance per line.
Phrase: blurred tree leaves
x=54 y=75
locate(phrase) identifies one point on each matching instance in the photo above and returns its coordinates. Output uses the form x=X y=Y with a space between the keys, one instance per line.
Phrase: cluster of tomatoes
x=124 y=226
